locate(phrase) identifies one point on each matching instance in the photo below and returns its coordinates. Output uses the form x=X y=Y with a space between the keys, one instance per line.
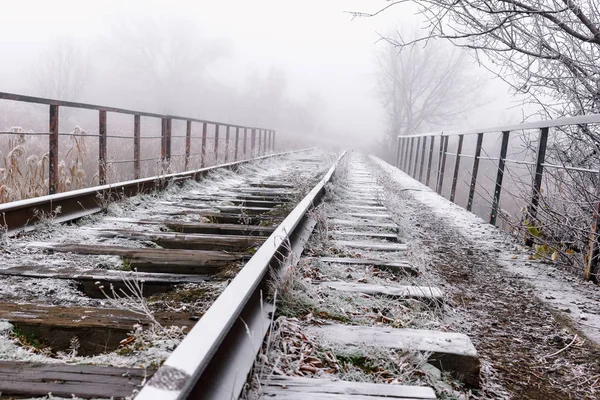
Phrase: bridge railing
x=240 y=142
x=425 y=158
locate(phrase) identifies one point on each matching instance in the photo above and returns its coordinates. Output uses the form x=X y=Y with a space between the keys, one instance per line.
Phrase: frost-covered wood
x=84 y=381
x=371 y=245
x=414 y=292
x=280 y=387
x=403 y=266
x=450 y=351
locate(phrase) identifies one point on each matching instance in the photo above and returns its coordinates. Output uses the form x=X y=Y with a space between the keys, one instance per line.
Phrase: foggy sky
x=322 y=51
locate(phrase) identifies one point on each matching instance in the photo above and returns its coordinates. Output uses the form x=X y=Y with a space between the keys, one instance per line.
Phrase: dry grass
x=25 y=174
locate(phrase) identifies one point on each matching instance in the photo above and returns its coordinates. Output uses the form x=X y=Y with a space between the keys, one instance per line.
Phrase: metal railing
x=417 y=162
x=265 y=137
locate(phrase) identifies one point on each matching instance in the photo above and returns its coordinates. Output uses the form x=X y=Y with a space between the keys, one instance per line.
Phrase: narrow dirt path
x=527 y=349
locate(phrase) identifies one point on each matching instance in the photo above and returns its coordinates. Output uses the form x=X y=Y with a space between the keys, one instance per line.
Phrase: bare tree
x=63 y=71
x=423 y=86
x=549 y=49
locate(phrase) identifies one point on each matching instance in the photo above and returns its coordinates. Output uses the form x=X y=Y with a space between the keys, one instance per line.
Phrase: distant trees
x=62 y=72
x=422 y=86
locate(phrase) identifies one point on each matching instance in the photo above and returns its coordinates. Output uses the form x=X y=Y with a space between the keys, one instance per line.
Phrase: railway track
x=260 y=284
x=92 y=308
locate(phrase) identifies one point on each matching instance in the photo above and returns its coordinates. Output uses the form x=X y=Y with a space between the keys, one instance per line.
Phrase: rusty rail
x=406 y=162
x=166 y=136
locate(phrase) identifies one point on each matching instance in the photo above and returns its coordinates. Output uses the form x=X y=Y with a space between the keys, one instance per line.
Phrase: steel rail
x=215 y=358
x=21 y=215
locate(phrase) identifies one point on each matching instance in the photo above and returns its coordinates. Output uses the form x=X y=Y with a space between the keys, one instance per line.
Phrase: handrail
x=551 y=123
x=265 y=137
x=406 y=162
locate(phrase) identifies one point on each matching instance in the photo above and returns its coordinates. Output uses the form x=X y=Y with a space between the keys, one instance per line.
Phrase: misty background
x=306 y=69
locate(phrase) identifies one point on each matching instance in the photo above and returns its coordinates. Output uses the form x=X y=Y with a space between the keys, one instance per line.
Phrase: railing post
x=53 y=150
x=414 y=169
x=253 y=143
x=216 y=144
x=537 y=181
x=237 y=141
x=274 y=132
x=422 y=158
x=456 y=166
x=591 y=268
x=410 y=154
x=260 y=131
x=499 y=177
x=474 y=172
x=430 y=160
x=102 y=148
x=265 y=142
x=165 y=148
x=245 y=142
x=188 y=143
x=227 y=144
x=443 y=150
x=397 y=150
x=405 y=153
x=203 y=149
x=136 y=146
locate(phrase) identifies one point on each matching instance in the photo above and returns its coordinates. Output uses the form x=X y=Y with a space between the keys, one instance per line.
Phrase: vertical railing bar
x=245 y=141
x=203 y=149
x=537 y=181
x=253 y=143
x=188 y=143
x=415 y=164
x=136 y=146
x=591 y=268
x=168 y=138
x=430 y=160
x=265 y=142
x=456 y=167
x=216 y=144
x=398 y=142
x=499 y=177
x=273 y=144
x=424 y=146
x=237 y=142
x=53 y=150
x=442 y=164
x=163 y=139
x=102 y=147
x=405 y=154
x=227 y=144
x=474 y=171
x=410 y=155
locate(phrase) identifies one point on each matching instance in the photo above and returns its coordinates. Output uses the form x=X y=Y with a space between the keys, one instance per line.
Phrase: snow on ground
x=578 y=300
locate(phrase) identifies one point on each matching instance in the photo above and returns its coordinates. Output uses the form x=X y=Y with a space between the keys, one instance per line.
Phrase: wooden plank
x=98 y=329
x=272 y=185
x=370 y=215
x=452 y=352
x=155 y=260
x=402 y=266
x=225 y=218
x=363 y=207
x=361 y=202
x=390 y=237
x=371 y=245
x=19 y=378
x=201 y=227
x=235 y=201
x=223 y=209
x=173 y=240
x=89 y=282
x=287 y=387
x=364 y=224
x=408 y=292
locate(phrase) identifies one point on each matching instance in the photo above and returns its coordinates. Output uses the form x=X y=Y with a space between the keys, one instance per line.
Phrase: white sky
x=321 y=49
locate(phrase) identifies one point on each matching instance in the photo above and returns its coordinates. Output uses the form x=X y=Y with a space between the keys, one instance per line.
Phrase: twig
x=563 y=349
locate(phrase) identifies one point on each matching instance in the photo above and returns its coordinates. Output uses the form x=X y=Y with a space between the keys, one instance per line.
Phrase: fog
x=307 y=69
